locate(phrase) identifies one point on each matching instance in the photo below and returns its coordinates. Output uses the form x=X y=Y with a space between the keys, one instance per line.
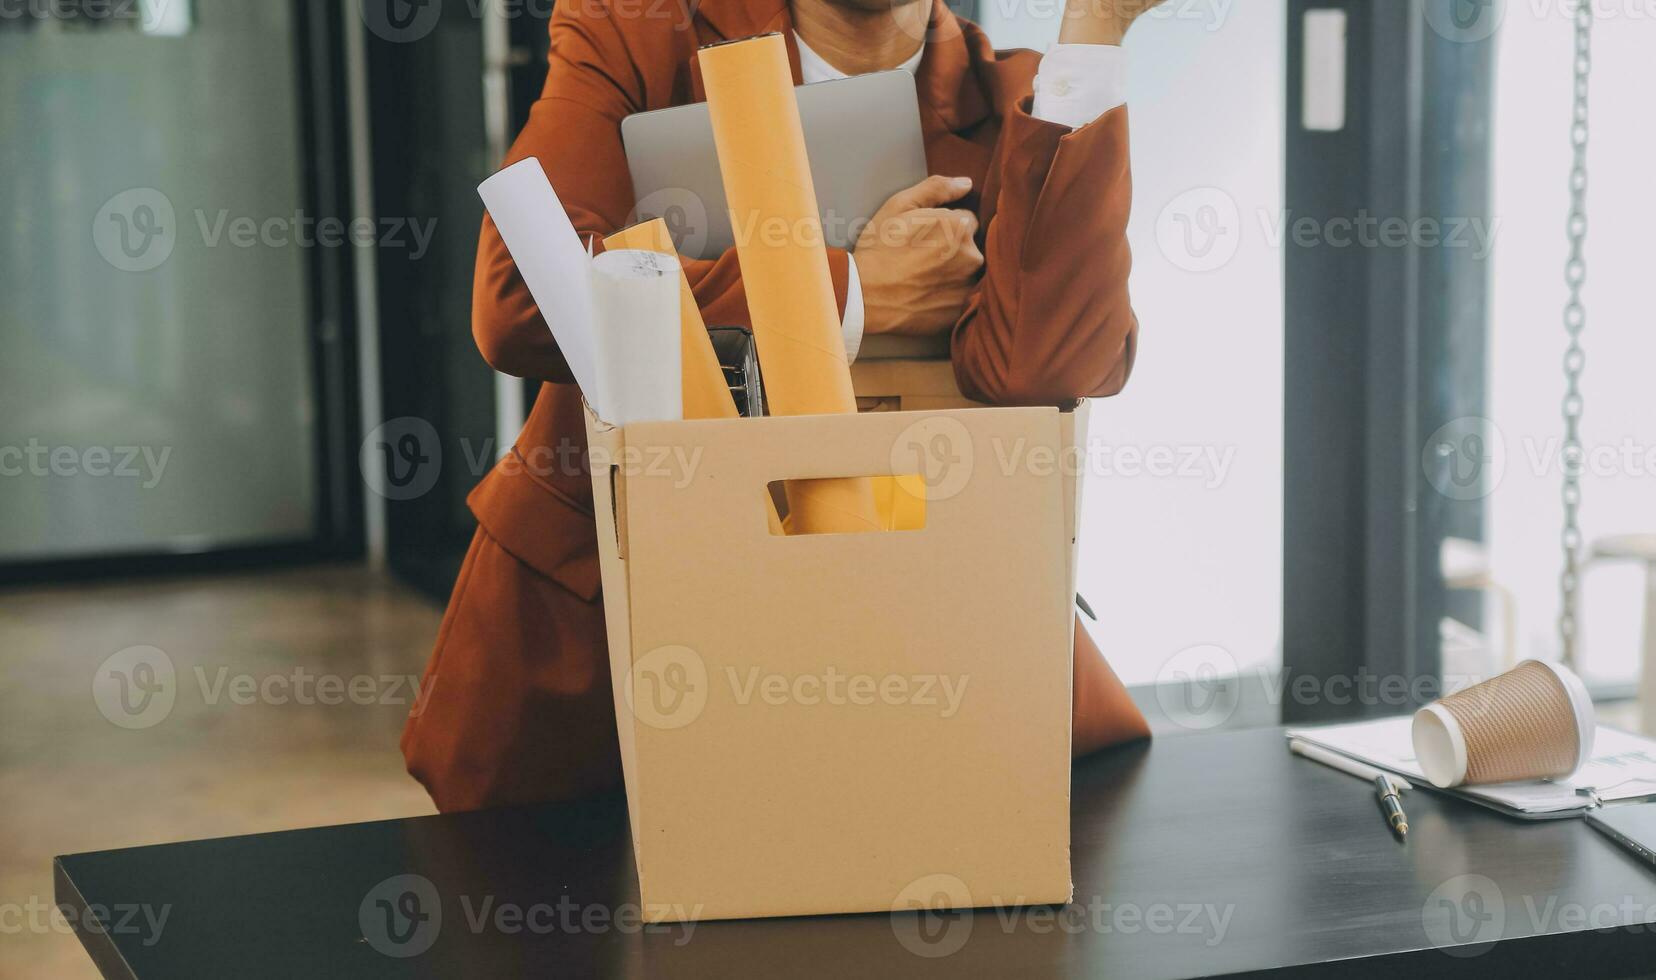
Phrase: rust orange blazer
x=519 y=706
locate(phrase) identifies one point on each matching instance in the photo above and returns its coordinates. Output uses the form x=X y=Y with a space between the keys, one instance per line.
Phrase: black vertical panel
x=1384 y=344
x=1454 y=278
x=1326 y=366
x=530 y=40
x=425 y=77
x=1393 y=605
x=326 y=159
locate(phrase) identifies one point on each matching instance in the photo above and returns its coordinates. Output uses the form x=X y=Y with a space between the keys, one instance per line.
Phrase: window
x=1532 y=163
x=1182 y=530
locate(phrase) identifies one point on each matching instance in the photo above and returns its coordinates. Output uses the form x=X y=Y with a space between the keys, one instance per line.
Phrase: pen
x=1391 y=805
x=1345 y=764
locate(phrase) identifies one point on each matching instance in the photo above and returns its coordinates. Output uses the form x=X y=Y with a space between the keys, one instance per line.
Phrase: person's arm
x=1051 y=321
x=592 y=83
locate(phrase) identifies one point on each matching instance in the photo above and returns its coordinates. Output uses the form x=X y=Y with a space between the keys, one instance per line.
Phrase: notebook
x=1623 y=767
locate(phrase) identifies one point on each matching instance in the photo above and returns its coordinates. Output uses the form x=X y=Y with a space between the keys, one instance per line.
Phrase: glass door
x=159 y=339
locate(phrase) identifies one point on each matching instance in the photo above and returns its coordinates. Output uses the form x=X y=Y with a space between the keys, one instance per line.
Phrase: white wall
x=1193 y=556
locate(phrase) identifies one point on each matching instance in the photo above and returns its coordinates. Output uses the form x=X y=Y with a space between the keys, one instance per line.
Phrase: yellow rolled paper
x=779 y=244
x=900 y=502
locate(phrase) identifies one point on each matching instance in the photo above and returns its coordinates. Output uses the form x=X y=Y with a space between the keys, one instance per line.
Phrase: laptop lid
x=862 y=134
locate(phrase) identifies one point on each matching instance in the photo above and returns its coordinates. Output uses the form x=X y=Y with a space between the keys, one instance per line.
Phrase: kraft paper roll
x=1532 y=722
x=706 y=393
x=900 y=502
x=635 y=300
x=779 y=244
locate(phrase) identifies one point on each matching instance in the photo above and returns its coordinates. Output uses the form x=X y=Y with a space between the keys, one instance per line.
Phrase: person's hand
x=1101 y=21
x=918 y=260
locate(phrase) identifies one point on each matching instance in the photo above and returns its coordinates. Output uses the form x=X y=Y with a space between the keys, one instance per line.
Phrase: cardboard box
x=909 y=385
x=847 y=722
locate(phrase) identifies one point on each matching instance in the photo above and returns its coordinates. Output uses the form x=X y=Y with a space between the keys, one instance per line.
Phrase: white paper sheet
x=1622 y=767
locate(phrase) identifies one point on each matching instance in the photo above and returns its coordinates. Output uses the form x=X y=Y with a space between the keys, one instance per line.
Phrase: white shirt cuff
x=1077 y=83
x=853 y=325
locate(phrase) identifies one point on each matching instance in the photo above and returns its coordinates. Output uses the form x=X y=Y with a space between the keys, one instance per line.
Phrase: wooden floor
x=248 y=744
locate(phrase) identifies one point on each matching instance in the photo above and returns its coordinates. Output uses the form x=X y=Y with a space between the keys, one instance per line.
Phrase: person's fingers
x=954 y=244
x=935 y=191
x=956 y=216
x=963 y=229
x=938 y=228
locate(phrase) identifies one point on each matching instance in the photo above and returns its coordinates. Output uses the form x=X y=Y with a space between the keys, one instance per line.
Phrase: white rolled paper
x=537 y=231
x=616 y=317
x=635 y=299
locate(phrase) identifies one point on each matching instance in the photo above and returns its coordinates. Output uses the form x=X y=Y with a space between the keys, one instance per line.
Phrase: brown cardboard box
x=908 y=385
x=849 y=722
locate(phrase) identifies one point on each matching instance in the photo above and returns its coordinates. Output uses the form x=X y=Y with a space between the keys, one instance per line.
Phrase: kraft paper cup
x=1532 y=722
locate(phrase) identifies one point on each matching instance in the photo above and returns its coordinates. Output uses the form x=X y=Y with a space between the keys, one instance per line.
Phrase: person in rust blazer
x=519 y=706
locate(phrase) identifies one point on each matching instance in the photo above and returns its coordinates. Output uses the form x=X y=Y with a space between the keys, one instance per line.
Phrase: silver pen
x=1392 y=805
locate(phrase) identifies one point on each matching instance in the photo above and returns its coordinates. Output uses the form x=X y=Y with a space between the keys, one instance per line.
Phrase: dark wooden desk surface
x=1199 y=855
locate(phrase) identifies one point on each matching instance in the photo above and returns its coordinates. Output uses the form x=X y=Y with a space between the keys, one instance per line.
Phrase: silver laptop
x=862 y=134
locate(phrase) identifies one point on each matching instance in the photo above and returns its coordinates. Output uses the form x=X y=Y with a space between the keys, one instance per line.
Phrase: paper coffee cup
x=1533 y=722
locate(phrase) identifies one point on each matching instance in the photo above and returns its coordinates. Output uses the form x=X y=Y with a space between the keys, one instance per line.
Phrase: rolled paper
x=706 y=393
x=900 y=502
x=1533 y=722
x=779 y=245
x=537 y=231
x=635 y=299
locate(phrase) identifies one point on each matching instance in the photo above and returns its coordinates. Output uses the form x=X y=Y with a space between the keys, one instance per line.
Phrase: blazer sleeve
x=594 y=80
x=1051 y=321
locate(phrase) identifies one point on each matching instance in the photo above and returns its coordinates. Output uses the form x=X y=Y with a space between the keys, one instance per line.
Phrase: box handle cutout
x=899 y=503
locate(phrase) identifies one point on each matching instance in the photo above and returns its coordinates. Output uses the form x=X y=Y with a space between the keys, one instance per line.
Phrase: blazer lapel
x=951 y=99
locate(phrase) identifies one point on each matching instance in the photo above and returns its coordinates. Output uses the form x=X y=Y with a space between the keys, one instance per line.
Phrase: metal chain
x=1575 y=321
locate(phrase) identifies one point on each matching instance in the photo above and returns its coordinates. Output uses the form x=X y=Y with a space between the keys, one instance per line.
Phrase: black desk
x=1199 y=855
